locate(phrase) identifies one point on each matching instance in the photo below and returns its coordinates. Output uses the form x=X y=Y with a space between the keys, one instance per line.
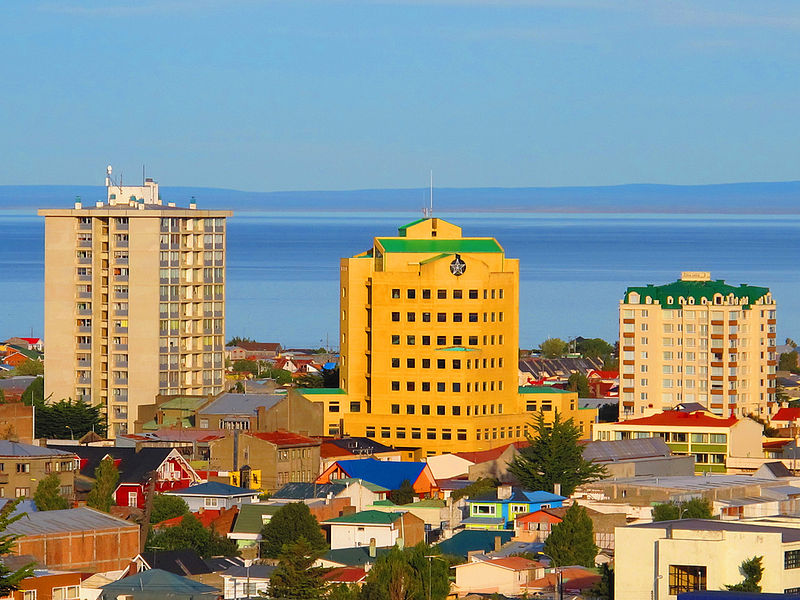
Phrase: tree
x=788 y=361
x=35 y=391
x=310 y=380
x=10 y=580
x=554 y=456
x=67 y=419
x=48 y=494
x=594 y=348
x=245 y=366
x=281 y=376
x=190 y=534
x=604 y=589
x=571 y=542
x=287 y=525
x=296 y=578
x=769 y=430
x=608 y=413
x=404 y=494
x=696 y=508
x=410 y=574
x=236 y=340
x=167 y=507
x=553 y=348
x=344 y=592
x=330 y=377
x=791 y=342
x=578 y=382
x=106 y=476
x=752 y=571
x=483 y=485
x=30 y=367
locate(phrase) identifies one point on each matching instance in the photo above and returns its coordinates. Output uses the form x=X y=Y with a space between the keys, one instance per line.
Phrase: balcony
x=84 y=364
x=121 y=313
x=121 y=365
x=120 y=330
x=119 y=295
x=84 y=312
x=121 y=278
x=84 y=277
x=120 y=347
x=120 y=243
x=84 y=329
x=84 y=243
x=84 y=346
x=85 y=260
x=120 y=381
x=84 y=380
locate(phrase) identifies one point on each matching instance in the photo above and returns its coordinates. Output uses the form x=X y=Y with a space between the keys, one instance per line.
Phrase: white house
x=246 y=581
x=214 y=496
x=362 y=528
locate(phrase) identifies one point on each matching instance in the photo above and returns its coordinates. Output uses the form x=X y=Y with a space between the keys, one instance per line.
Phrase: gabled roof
x=787 y=414
x=387 y=474
x=345 y=575
x=518 y=495
x=367 y=517
x=133 y=466
x=259 y=346
x=305 y=491
x=9 y=448
x=285 y=439
x=618 y=450
x=70 y=519
x=776 y=470
x=254 y=571
x=674 y=418
x=480 y=456
x=152 y=583
x=180 y=562
x=212 y=488
x=250 y=518
x=541 y=389
x=511 y=563
x=354 y=556
x=241 y=404
x=471 y=540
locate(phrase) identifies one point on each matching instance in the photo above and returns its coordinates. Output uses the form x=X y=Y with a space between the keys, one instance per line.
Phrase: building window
x=426 y=363
x=395 y=293
x=457 y=294
x=473 y=340
x=462 y=435
x=791 y=559
x=416 y=433
x=355 y=407
x=410 y=409
x=395 y=386
x=410 y=340
x=210 y=502
x=426 y=294
x=395 y=340
x=70 y=592
x=385 y=432
x=426 y=340
x=430 y=434
x=441 y=363
x=473 y=294
x=456 y=411
x=441 y=294
x=686 y=578
x=473 y=317
x=28 y=594
x=426 y=386
x=458 y=317
x=440 y=387
x=411 y=294
x=411 y=317
x=426 y=317
x=410 y=363
x=395 y=409
x=410 y=386
x=395 y=316
x=426 y=409
x=395 y=363
x=441 y=317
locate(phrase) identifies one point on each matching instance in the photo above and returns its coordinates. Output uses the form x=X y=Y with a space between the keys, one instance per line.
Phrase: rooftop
x=250 y=518
x=471 y=540
x=285 y=439
x=9 y=448
x=212 y=488
x=305 y=491
x=674 y=418
x=519 y=495
x=614 y=451
x=669 y=295
x=787 y=414
x=241 y=404
x=387 y=474
x=367 y=517
x=438 y=246
x=542 y=389
x=71 y=519
x=788 y=534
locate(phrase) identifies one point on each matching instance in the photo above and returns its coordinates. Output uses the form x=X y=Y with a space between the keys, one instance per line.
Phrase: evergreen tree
x=296 y=578
x=48 y=494
x=34 y=392
x=409 y=574
x=289 y=524
x=604 y=589
x=10 y=580
x=191 y=535
x=578 y=382
x=571 y=542
x=482 y=485
x=404 y=494
x=29 y=367
x=66 y=419
x=554 y=456
x=106 y=477
x=752 y=571
x=167 y=507
x=553 y=348
x=696 y=508
x=344 y=592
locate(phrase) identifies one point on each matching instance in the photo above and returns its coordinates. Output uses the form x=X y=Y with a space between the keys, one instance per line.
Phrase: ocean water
x=283 y=267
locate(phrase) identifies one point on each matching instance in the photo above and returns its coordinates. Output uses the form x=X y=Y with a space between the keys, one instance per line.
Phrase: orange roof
x=574 y=578
x=786 y=414
x=604 y=374
x=516 y=563
x=329 y=450
x=486 y=455
x=220 y=521
x=345 y=575
x=282 y=437
x=775 y=444
x=677 y=418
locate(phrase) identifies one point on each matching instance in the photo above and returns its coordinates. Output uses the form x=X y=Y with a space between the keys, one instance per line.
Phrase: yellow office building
x=429 y=343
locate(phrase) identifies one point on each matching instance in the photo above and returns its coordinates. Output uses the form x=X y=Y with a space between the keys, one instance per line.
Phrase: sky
x=323 y=95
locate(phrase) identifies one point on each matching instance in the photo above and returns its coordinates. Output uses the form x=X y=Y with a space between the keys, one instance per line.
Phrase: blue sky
x=261 y=95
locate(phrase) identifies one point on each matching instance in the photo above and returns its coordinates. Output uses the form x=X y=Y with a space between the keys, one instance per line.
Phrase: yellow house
x=429 y=343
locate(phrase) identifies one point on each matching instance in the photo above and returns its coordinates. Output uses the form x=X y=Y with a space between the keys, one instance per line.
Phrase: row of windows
x=456 y=317
x=426 y=294
x=432 y=433
x=668 y=436
x=209 y=224
x=441 y=386
x=411 y=340
x=441 y=363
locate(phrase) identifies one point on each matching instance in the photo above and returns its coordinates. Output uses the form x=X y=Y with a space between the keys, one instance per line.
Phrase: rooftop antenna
x=143 y=175
x=428 y=212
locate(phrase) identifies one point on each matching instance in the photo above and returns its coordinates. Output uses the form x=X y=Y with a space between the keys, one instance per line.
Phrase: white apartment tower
x=134 y=301
x=697 y=340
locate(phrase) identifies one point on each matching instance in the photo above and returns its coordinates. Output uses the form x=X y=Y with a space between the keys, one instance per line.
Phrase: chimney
x=498 y=543
x=557 y=489
x=373 y=551
x=504 y=492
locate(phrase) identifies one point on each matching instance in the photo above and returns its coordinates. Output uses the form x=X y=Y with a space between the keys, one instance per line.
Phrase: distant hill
x=733 y=198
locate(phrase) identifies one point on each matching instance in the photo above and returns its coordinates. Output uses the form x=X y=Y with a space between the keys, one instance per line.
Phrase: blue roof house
x=387 y=474
x=214 y=496
x=498 y=509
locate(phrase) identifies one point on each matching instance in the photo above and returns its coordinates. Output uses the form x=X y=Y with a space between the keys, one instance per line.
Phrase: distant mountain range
x=732 y=198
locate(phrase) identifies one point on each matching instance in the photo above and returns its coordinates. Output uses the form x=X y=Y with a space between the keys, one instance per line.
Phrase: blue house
x=498 y=509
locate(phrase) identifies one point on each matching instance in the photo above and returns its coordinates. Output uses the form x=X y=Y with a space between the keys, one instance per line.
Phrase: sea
x=283 y=266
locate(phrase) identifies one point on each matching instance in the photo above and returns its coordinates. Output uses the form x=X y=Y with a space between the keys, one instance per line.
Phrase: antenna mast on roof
x=428 y=212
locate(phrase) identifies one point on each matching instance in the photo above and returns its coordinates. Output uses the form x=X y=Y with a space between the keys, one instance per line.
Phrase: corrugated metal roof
x=71 y=519
x=241 y=404
x=625 y=449
x=9 y=448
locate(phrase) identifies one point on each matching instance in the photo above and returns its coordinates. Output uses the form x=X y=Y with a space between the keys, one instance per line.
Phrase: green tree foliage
x=608 y=413
x=554 y=456
x=289 y=524
x=752 y=570
x=578 y=382
x=236 y=340
x=167 y=507
x=571 y=542
x=405 y=494
x=788 y=361
x=281 y=376
x=604 y=589
x=310 y=380
x=34 y=392
x=553 y=348
x=48 y=494
x=769 y=430
x=2 y=397
x=610 y=364
x=330 y=377
x=408 y=574
x=296 y=578
x=484 y=485
x=67 y=419
x=344 y=592
x=245 y=366
x=30 y=367
x=191 y=535
x=106 y=477
x=10 y=580
x=594 y=348
x=696 y=508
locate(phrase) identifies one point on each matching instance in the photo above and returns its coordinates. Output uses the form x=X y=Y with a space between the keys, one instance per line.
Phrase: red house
x=171 y=470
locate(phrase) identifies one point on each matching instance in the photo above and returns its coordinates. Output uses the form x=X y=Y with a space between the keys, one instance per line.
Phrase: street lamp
x=70 y=432
x=430 y=558
x=559 y=576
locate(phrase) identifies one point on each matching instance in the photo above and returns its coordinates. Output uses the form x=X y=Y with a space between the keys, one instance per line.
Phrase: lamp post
x=559 y=577
x=70 y=432
x=430 y=558
x=654 y=591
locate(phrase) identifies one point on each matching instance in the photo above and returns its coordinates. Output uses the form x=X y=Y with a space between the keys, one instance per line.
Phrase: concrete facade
x=698 y=340
x=134 y=301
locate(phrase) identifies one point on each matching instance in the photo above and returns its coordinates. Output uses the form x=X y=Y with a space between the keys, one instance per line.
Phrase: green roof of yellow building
x=423 y=246
x=669 y=295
